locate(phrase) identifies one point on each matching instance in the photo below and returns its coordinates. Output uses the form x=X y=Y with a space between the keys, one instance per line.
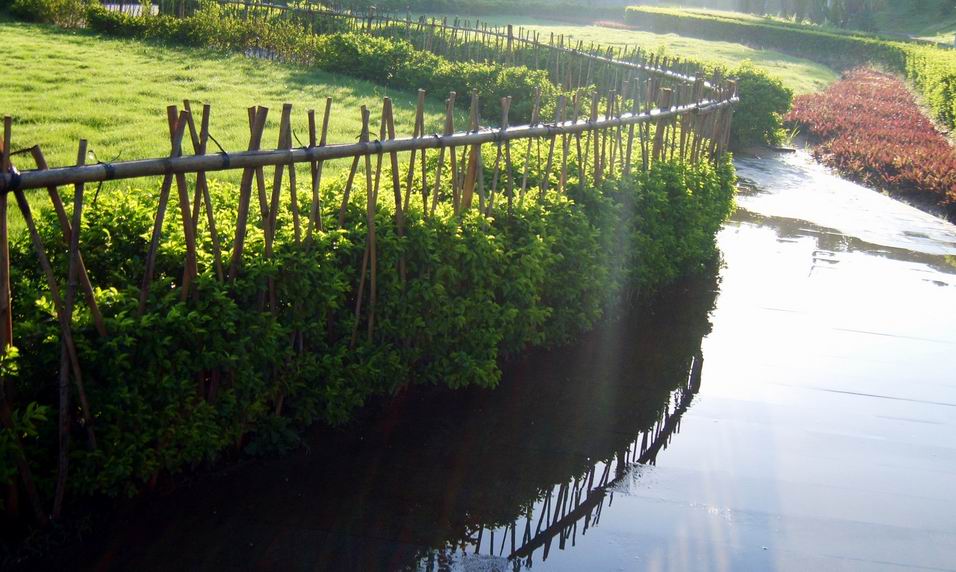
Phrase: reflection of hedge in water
x=188 y=381
x=431 y=468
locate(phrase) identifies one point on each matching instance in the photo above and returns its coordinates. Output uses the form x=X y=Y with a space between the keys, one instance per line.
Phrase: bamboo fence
x=570 y=64
x=638 y=126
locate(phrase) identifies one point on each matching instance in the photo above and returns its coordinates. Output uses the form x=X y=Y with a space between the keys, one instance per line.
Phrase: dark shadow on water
x=431 y=475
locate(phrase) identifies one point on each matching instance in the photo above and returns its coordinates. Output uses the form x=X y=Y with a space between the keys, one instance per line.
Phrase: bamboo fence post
x=535 y=110
x=595 y=99
x=565 y=146
x=471 y=171
x=259 y=115
x=417 y=133
x=6 y=311
x=71 y=288
x=369 y=251
x=453 y=159
x=635 y=102
x=449 y=111
x=6 y=338
x=660 y=127
x=260 y=178
x=363 y=138
x=396 y=187
x=191 y=271
x=176 y=129
x=611 y=112
x=315 y=218
x=54 y=195
x=505 y=110
x=546 y=176
x=207 y=198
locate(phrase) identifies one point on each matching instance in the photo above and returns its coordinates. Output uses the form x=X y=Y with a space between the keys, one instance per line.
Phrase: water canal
x=796 y=410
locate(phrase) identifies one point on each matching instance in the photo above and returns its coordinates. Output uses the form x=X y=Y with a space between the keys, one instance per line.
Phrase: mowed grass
x=803 y=76
x=61 y=86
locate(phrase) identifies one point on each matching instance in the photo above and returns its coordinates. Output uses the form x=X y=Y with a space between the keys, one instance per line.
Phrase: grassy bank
x=67 y=85
x=932 y=70
x=800 y=75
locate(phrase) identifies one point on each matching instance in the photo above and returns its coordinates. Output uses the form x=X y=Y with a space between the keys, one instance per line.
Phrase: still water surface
x=795 y=412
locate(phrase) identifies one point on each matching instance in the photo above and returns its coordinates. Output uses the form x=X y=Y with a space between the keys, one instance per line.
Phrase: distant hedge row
x=931 y=69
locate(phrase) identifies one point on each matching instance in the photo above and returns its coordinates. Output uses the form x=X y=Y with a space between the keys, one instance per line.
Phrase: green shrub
x=66 y=13
x=931 y=69
x=190 y=380
x=764 y=100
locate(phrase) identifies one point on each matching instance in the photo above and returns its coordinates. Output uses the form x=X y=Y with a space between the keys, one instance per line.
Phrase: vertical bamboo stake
x=260 y=176
x=471 y=171
x=315 y=218
x=371 y=202
x=635 y=102
x=6 y=339
x=546 y=176
x=245 y=191
x=396 y=187
x=535 y=110
x=565 y=147
x=176 y=129
x=505 y=109
x=368 y=252
x=418 y=131
x=6 y=312
x=54 y=195
x=661 y=125
x=449 y=110
x=595 y=99
x=191 y=271
x=71 y=289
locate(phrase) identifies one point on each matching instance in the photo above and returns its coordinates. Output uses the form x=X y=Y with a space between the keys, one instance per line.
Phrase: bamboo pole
x=471 y=171
x=535 y=110
x=259 y=116
x=396 y=187
x=71 y=288
x=88 y=291
x=256 y=159
x=176 y=129
x=315 y=219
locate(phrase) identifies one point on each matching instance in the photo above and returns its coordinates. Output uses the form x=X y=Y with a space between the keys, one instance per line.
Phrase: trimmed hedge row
x=931 y=69
x=190 y=381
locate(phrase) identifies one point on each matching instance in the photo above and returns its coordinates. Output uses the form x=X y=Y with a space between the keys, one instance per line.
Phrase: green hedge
x=931 y=69
x=477 y=288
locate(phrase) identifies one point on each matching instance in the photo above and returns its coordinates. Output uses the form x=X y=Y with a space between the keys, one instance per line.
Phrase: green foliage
x=931 y=69
x=67 y=13
x=191 y=380
x=26 y=423
x=764 y=100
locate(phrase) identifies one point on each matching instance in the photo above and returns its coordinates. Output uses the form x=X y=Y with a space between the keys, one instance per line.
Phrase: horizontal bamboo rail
x=38 y=179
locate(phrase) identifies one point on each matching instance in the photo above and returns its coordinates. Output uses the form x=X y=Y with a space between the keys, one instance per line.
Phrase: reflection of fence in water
x=564 y=508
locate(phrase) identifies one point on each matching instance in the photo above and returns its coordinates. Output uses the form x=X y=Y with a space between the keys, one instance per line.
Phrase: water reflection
x=441 y=480
x=817 y=428
x=572 y=507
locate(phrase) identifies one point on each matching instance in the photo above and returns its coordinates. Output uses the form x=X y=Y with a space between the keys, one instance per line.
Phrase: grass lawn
x=933 y=20
x=62 y=86
x=803 y=76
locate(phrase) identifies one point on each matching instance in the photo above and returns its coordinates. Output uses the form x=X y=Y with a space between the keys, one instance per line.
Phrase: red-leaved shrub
x=869 y=127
